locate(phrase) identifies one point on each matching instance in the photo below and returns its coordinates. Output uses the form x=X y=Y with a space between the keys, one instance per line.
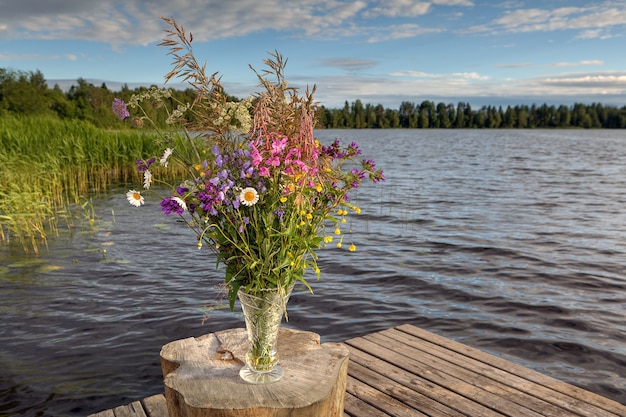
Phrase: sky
x=483 y=52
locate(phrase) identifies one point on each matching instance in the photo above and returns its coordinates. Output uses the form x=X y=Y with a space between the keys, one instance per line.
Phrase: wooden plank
x=467 y=371
x=418 y=403
x=156 y=406
x=416 y=383
x=356 y=407
x=409 y=372
x=575 y=397
x=383 y=402
x=134 y=409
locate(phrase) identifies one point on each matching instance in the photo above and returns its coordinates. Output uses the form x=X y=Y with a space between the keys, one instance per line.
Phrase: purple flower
x=119 y=108
x=245 y=221
x=144 y=165
x=353 y=149
x=169 y=206
x=280 y=212
x=333 y=150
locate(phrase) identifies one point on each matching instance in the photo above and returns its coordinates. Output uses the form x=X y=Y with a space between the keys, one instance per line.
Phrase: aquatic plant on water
x=50 y=169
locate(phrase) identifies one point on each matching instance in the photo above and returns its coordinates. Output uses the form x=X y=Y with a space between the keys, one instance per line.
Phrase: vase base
x=254 y=377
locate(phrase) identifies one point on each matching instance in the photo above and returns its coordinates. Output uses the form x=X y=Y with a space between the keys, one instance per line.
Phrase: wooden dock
x=409 y=372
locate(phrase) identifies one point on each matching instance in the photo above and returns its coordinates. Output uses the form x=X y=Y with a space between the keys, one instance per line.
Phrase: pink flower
x=293 y=152
x=273 y=161
x=255 y=154
x=278 y=145
x=264 y=172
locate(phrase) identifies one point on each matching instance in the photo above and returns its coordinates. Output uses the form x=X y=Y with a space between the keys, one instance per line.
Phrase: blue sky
x=379 y=51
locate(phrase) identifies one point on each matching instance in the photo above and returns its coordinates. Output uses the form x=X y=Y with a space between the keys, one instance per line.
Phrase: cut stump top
x=204 y=371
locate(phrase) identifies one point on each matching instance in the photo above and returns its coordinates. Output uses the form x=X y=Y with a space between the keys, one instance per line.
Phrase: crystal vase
x=263 y=312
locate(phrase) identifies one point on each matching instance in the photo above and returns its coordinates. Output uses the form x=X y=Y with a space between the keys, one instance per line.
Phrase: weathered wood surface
x=153 y=406
x=201 y=377
x=409 y=372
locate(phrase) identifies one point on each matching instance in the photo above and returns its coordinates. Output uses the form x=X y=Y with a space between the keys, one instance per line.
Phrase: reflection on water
x=510 y=241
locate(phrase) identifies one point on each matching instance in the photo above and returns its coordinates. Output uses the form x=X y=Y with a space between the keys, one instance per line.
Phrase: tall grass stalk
x=49 y=168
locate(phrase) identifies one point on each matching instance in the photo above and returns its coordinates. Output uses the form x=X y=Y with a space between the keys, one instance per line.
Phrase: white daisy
x=165 y=157
x=147 y=179
x=248 y=196
x=135 y=198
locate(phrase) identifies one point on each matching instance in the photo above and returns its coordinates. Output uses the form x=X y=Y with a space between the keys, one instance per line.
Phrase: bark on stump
x=201 y=377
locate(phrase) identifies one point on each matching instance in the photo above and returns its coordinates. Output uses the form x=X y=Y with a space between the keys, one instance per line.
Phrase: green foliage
x=50 y=167
x=442 y=116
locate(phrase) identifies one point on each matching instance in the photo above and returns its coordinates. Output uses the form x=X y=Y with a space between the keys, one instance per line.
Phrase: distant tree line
x=27 y=93
x=427 y=114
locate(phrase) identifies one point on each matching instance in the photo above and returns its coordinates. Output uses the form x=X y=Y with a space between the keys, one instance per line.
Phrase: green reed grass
x=51 y=167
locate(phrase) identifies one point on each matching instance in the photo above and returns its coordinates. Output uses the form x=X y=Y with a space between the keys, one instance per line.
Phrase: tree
x=407 y=114
x=564 y=117
x=460 y=116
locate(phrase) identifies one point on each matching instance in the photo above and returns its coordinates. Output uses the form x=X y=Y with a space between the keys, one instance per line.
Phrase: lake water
x=510 y=241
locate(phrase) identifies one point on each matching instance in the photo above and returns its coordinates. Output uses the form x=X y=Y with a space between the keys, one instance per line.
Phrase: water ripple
x=510 y=241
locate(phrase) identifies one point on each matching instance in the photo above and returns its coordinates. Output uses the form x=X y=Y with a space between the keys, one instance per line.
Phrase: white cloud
x=411 y=73
x=470 y=76
x=408 y=30
x=576 y=64
x=36 y=57
x=453 y=77
x=615 y=82
x=138 y=23
x=395 y=8
x=589 y=19
x=567 y=88
x=453 y=2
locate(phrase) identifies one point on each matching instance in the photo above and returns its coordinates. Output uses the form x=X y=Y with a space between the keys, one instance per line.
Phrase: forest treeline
x=27 y=93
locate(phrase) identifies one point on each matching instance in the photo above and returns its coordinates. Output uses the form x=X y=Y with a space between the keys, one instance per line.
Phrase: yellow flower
x=337 y=231
x=352 y=248
x=343 y=220
x=309 y=216
x=339 y=245
x=328 y=239
x=319 y=188
x=283 y=199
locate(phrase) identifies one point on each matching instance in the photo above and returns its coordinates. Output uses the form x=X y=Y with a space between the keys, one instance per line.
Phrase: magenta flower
x=278 y=145
x=119 y=108
x=273 y=161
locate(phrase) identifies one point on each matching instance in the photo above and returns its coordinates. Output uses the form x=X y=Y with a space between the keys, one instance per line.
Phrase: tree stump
x=201 y=377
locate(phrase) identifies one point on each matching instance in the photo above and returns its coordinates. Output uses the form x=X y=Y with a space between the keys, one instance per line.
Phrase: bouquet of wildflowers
x=258 y=189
